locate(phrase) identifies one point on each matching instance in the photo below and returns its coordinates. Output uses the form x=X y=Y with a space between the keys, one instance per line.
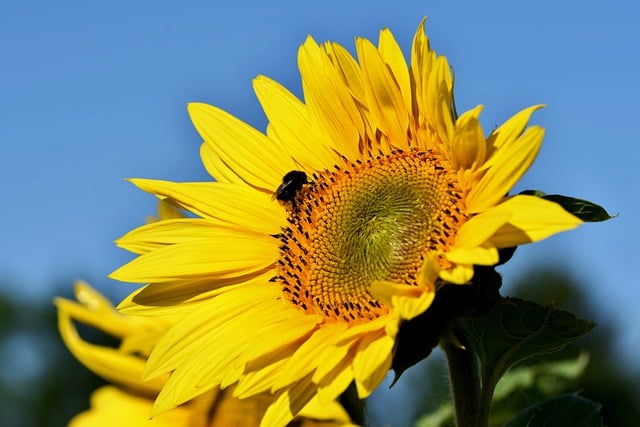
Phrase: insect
x=292 y=182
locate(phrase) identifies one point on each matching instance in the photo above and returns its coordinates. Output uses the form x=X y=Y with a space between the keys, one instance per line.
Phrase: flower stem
x=465 y=384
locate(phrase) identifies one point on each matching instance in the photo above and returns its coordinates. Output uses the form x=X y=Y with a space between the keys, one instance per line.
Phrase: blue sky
x=93 y=93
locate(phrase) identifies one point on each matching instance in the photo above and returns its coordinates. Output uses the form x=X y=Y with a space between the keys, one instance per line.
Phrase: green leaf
x=560 y=411
x=536 y=193
x=442 y=416
x=546 y=378
x=515 y=330
x=583 y=209
x=523 y=385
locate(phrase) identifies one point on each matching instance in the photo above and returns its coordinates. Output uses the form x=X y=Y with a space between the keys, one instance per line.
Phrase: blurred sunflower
x=318 y=239
x=129 y=401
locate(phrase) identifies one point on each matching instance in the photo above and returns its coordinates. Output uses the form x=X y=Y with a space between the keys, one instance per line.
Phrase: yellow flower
x=381 y=196
x=125 y=364
x=111 y=406
x=130 y=403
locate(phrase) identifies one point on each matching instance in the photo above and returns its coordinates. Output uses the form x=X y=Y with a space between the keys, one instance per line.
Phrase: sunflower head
x=317 y=240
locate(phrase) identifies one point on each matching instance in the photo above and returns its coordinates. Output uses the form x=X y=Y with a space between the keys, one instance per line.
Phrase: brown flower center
x=366 y=221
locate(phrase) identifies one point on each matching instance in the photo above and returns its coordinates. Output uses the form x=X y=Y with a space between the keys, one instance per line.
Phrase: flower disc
x=364 y=222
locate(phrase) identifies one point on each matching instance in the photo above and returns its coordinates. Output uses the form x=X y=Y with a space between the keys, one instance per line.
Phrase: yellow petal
x=214 y=341
x=95 y=303
x=505 y=168
x=257 y=381
x=182 y=296
x=512 y=128
x=348 y=69
x=227 y=203
x=113 y=407
x=408 y=308
x=421 y=60
x=479 y=228
x=394 y=58
x=283 y=335
x=354 y=332
x=439 y=93
x=372 y=362
x=408 y=301
x=306 y=356
x=469 y=148
x=429 y=271
x=477 y=255
x=167 y=211
x=289 y=403
x=331 y=359
x=330 y=411
x=290 y=121
x=203 y=326
x=384 y=291
x=531 y=219
x=459 y=274
x=170 y=232
x=335 y=382
x=329 y=101
x=227 y=411
x=217 y=168
x=385 y=100
x=248 y=153
x=226 y=257
x=109 y=363
x=97 y=311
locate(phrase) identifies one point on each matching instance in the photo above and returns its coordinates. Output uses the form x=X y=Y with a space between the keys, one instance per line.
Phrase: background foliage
x=43 y=385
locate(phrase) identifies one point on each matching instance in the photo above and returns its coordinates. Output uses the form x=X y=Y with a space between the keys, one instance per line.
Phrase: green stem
x=465 y=385
x=486 y=397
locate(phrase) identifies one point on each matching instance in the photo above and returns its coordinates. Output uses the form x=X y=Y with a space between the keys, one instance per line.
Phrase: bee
x=292 y=182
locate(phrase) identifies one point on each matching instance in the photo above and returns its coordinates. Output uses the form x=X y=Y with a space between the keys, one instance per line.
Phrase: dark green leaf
x=583 y=209
x=536 y=193
x=560 y=411
x=523 y=385
x=515 y=330
x=546 y=379
x=443 y=416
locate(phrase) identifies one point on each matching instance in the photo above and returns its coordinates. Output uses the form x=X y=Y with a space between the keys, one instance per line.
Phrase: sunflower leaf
x=583 y=209
x=565 y=410
x=515 y=330
x=528 y=383
x=544 y=379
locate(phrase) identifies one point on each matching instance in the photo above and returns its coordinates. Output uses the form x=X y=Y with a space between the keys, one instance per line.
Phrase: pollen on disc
x=365 y=221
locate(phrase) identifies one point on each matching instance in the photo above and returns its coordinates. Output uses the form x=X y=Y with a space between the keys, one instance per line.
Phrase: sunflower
x=297 y=266
x=128 y=400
